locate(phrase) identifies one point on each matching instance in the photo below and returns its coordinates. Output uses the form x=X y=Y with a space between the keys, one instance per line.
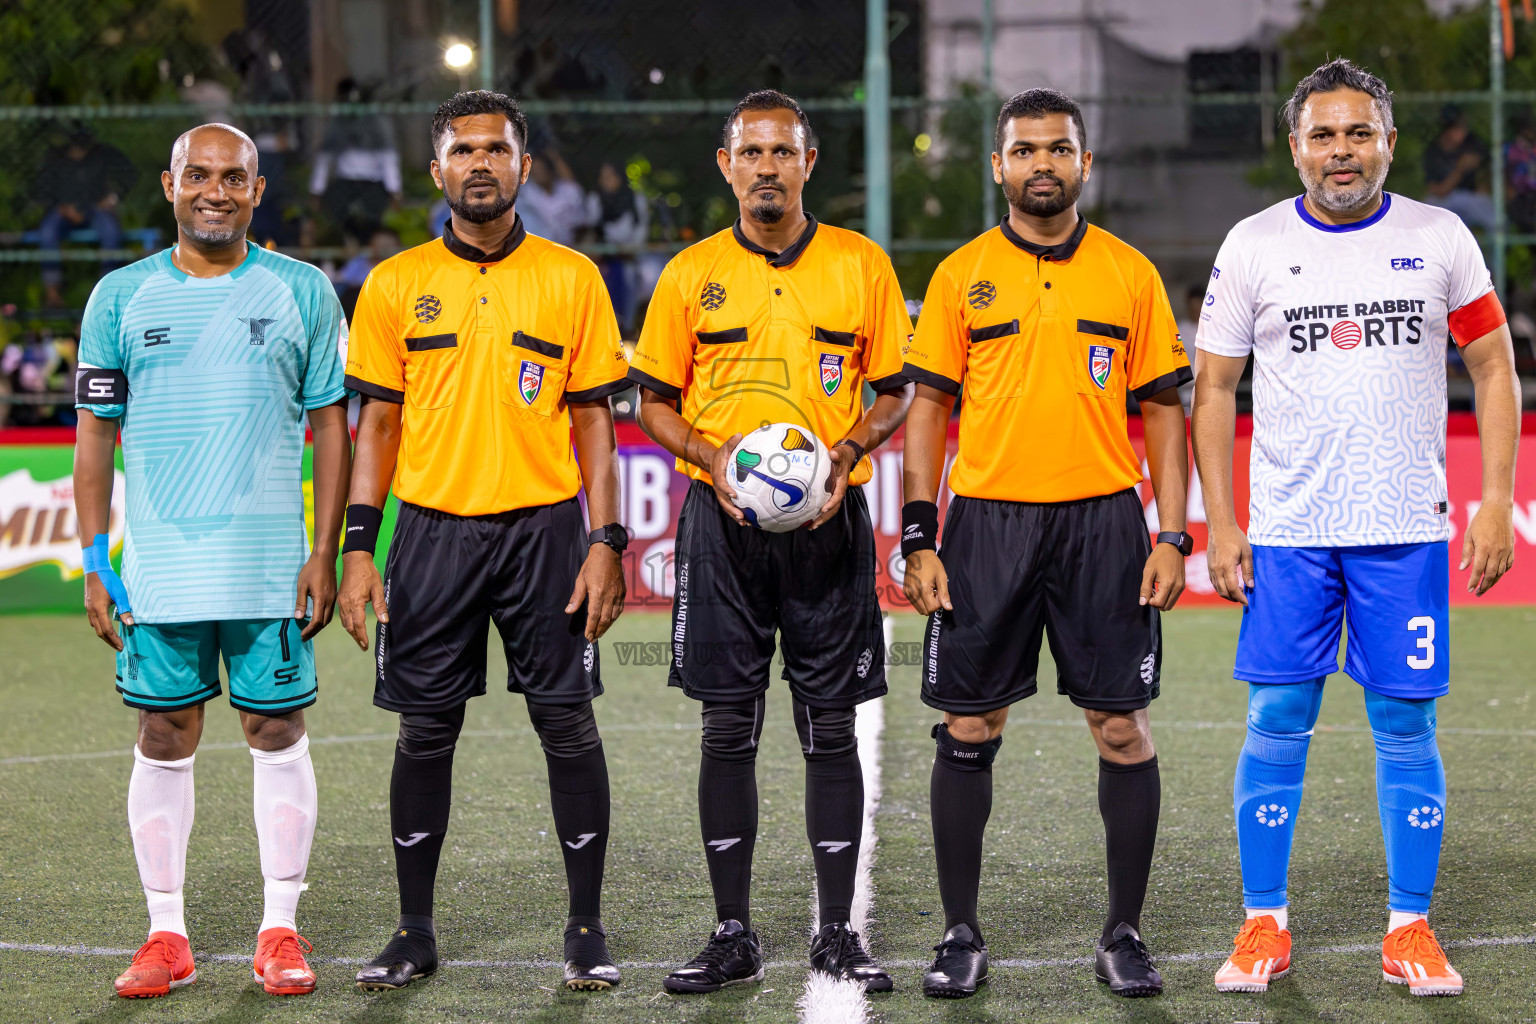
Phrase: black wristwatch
x=858 y=449
x=614 y=535
x=1181 y=540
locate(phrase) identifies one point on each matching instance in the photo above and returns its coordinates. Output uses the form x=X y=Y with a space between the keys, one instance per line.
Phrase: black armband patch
x=919 y=527
x=362 y=533
x=97 y=386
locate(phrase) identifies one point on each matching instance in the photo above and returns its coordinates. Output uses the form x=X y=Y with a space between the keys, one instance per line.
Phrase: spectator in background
x=622 y=217
x=264 y=78
x=1452 y=163
x=349 y=281
x=79 y=185
x=39 y=364
x=1520 y=174
x=551 y=203
x=360 y=151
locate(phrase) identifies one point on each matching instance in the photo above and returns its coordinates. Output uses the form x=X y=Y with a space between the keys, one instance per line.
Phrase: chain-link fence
x=625 y=104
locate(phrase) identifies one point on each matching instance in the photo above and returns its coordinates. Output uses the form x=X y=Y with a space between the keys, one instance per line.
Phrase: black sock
x=960 y=802
x=834 y=821
x=728 y=819
x=420 y=792
x=578 y=792
x=1129 y=799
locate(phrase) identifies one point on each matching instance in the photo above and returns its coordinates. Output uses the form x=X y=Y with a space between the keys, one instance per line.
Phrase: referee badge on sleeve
x=1101 y=359
x=530 y=380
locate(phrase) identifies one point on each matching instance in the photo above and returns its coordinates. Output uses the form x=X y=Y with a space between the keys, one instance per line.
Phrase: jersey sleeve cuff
x=937 y=381
x=372 y=390
x=893 y=382
x=602 y=391
x=1183 y=375
x=325 y=398
x=671 y=392
x=1235 y=349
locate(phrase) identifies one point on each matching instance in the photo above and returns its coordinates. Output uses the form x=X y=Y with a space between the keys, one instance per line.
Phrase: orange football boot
x=1262 y=954
x=280 y=965
x=1411 y=956
x=164 y=962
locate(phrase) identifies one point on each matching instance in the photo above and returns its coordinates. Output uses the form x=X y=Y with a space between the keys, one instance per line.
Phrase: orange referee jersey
x=1046 y=340
x=741 y=336
x=485 y=350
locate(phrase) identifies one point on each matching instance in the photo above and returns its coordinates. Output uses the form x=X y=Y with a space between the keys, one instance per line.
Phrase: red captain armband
x=1476 y=319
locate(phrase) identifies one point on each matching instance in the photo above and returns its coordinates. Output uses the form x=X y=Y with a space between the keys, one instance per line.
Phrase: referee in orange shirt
x=476 y=354
x=778 y=319
x=1047 y=322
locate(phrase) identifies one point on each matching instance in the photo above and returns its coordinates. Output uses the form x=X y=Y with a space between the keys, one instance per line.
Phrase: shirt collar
x=464 y=251
x=1059 y=251
x=777 y=259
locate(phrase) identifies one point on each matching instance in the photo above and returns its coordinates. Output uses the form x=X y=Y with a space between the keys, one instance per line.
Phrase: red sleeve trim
x=1477 y=318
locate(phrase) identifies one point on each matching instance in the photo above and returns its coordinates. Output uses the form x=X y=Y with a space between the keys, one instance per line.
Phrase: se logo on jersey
x=530 y=380
x=1100 y=360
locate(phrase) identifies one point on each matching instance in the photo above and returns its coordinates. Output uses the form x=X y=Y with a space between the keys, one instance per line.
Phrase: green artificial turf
x=67 y=875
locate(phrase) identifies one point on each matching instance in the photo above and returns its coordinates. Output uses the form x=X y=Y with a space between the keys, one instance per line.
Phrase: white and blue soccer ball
x=780 y=472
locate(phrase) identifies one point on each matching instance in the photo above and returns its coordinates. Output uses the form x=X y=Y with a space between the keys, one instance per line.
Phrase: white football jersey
x=1347 y=326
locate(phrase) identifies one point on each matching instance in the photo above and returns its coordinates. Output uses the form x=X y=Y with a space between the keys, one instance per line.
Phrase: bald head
x=213 y=185
x=217 y=133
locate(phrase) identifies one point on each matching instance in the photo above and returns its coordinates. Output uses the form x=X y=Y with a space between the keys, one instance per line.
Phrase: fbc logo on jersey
x=1381 y=323
x=1408 y=263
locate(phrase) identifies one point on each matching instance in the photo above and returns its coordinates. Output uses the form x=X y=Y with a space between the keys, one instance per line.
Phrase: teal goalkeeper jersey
x=211 y=378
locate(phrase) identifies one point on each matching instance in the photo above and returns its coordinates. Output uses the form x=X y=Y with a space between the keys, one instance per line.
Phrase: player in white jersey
x=1345 y=298
x=208 y=357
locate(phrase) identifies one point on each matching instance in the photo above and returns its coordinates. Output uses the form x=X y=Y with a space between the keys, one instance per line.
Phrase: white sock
x=160 y=811
x=285 y=827
x=1281 y=915
x=1397 y=918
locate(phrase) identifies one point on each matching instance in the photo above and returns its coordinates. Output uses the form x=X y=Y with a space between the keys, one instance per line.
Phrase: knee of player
x=430 y=735
x=169 y=736
x=272 y=732
x=1403 y=729
x=825 y=733
x=1125 y=737
x=565 y=730
x=1284 y=709
x=976 y=728
x=732 y=730
x=958 y=755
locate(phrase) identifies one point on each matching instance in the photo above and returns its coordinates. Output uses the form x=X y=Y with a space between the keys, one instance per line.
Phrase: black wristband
x=919 y=527
x=362 y=533
x=858 y=449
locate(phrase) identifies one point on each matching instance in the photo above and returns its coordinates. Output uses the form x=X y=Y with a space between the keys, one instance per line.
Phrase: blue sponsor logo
x=1413 y=263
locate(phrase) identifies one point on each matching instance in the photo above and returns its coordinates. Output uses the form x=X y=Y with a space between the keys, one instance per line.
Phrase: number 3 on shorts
x=1426 y=642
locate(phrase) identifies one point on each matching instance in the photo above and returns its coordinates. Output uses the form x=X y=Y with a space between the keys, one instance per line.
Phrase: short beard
x=1021 y=199
x=481 y=212
x=767 y=211
x=213 y=238
x=1349 y=199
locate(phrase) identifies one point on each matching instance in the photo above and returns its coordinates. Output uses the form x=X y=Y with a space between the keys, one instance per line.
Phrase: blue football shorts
x=1396 y=598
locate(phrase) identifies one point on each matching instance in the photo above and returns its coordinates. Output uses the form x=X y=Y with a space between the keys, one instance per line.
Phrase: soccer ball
x=780 y=472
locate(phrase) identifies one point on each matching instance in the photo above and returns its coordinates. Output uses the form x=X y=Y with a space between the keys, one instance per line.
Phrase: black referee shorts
x=1071 y=570
x=737 y=584
x=449 y=577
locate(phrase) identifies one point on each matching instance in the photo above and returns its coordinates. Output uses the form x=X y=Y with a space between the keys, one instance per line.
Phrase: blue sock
x=1266 y=792
x=1410 y=791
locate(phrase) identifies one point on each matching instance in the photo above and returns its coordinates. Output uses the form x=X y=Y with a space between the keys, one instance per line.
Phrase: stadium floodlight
x=458 y=56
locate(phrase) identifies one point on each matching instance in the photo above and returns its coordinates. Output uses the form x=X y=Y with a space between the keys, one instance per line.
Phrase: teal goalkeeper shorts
x=175 y=665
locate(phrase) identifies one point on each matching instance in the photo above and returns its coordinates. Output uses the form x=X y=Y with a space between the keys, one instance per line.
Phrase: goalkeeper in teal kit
x=207 y=357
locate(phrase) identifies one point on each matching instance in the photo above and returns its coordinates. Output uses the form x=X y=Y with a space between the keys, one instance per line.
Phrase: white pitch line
x=1026 y=964
x=828 y=1000
x=1017 y=723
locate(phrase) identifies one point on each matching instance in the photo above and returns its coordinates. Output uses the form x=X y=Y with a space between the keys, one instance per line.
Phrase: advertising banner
x=40 y=546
